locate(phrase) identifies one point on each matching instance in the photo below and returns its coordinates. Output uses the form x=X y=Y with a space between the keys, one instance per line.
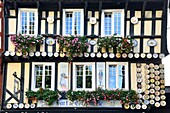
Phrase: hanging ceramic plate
x=151 y=70
x=152 y=85
x=139 y=95
x=163 y=103
x=157 y=83
x=157 y=77
x=139 y=91
x=99 y=55
x=50 y=54
x=134 y=20
x=15 y=106
x=151 y=43
x=43 y=54
x=32 y=105
x=132 y=107
x=146 y=71
x=21 y=105
x=147 y=76
x=50 y=19
x=162 y=81
x=155 y=55
x=156 y=67
x=157 y=98
x=162 y=76
x=152 y=91
x=6 y=53
x=27 y=106
x=50 y=41
x=161 y=55
x=9 y=106
x=146 y=66
x=138 y=70
x=157 y=72
x=163 y=97
x=105 y=55
x=152 y=96
x=86 y=54
x=149 y=55
x=130 y=55
x=139 y=86
x=118 y=55
x=81 y=55
x=147 y=81
x=152 y=80
x=161 y=71
x=139 y=75
x=147 y=92
x=138 y=64
x=146 y=102
x=157 y=93
x=161 y=65
x=139 y=101
x=37 y=53
x=162 y=86
x=31 y=54
x=136 y=55
x=126 y=106
x=162 y=92
x=157 y=104
x=12 y=53
x=152 y=102
x=139 y=80
x=135 y=43
x=111 y=55
x=124 y=55
x=138 y=106
x=146 y=97
x=62 y=55
x=152 y=75
x=147 y=86
x=93 y=55
x=143 y=55
x=151 y=65
x=56 y=54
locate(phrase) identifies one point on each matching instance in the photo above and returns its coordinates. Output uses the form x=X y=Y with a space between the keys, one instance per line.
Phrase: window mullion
x=43 y=77
x=73 y=23
x=84 y=76
x=117 y=76
x=112 y=22
x=28 y=22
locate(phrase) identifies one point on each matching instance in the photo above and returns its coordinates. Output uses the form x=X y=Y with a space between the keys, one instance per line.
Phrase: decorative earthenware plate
x=157 y=72
x=161 y=65
x=12 y=53
x=21 y=105
x=144 y=106
x=147 y=92
x=157 y=77
x=152 y=80
x=146 y=71
x=162 y=92
x=151 y=65
x=9 y=106
x=31 y=54
x=132 y=106
x=27 y=106
x=139 y=101
x=139 y=80
x=152 y=96
x=157 y=93
x=157 y=104
x=161 y=71
x=152 y=91
x=138 y=70
x=157 y=83
x=50 y=41
x=138 y=64
x=62 y=55
x=147 y=76
x=152 y=85
x=6 y=53
x=81 y=55
x=139 y=91
x=143 y=55
x=147 y=81
x=162 y=86
x=130 y=55
x=99 y=55
x=86 y=54
x=163 y=103
x=145 y=97
x=152 y=75
x=50 y=19
x=151 y=70
x=43 y=54
x=147 y=86
x=138 y=106
x=157 y=98
x=134 y=20
x=162 y=81
x=124 y=55
x=139 y=95
x=50 y=54
x=163 y=97
x=146 y=102
x=92 y=42
x=93 y=55
x=161 y=76
x=161 y=55
x=136 y=55
x=32 y=105
x=146 y=66
x=149 y=55
x=105 y=55
x=156 y=67
x=139 y=75
x=15 y=105
x=152 y=102
x=155 y=55
x=111 y=55
x=151 y=43
x=118 y=55
x=126 y=106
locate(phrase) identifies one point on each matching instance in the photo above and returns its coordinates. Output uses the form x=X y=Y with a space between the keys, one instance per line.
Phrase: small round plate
x=152 y=85
x=147 y=86
x=138 y=64
x=139 y=80
x=124 y=55
x=162 y=92
x=32 y=105
x=155 y=55
x=43 y=54
x=147 y=76
x=152 y=75
x=111 y=55
x=135 y=43
x=99 y=55
x=139 y=85
x=146 y=97
x=152 y=102
x=136 y=55
x=139 y=95
x=161 y=55
x=134 y=20
x=143 y=55
x=55 y=54
x=161 y=66
x=146 y=71
x=21 y=105
x=92 y=55
x=157 y=83
x=139 y=75
x=151 y=70
x=147 y=92
x=146 y=66
x=138 y=106
x=86 y=54
x=130 y=55
x=163 y=97
x=149 y=55
x=162 y=81
x=126 y=106
x=152 y=80
x=156 y=67
x=157 y=98
x=157 y=104
x=162 y=86
x=9 y=106
x=161 y=71
x=15 y=105
x=27 y=106
x=163 y=103
x=151 y=43
x=139 y=91
x=132 y=106
x=157 y=77
x=147 y=81
x=157 y=93
x=157 y=72
x=118 y=55
x=151 y=65
x=146 y=102
x=105 y=55
x=138 y=70
x=139 y=101
x=152 y=91
x=152 y=96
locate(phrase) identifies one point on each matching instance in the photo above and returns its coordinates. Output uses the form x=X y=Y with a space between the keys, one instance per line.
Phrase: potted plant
x=23 y=43
x=73 y=45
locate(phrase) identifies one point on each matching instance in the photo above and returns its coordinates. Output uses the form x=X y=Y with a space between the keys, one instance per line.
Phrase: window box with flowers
x=24 y=43
x=118 y=44
x=72 y=45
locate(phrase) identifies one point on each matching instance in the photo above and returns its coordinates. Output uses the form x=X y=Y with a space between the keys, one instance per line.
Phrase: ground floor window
x=116 y=75
x=83 y=76
x=43 y=75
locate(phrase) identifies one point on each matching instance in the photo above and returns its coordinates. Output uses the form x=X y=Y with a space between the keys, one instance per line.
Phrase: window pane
x=121 y=77
x=88 y=71
x=79 y=80
x=108 y=23
x=69 y=23
x=24 y=22
x=38 y=76
x=31 y=22
x=48 y=76
x=117 y=23
x=77 y=24
x=112 y=76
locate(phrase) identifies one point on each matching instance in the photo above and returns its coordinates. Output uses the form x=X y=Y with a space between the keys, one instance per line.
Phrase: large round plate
x=151 y=43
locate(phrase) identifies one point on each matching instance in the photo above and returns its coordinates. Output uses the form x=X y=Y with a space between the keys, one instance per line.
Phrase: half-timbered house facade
x=143 y=23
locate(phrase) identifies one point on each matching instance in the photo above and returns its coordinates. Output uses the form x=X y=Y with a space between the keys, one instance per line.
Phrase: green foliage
x=88 y=97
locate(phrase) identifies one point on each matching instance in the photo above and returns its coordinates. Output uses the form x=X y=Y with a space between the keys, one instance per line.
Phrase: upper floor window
x=73 y=22
x=117 y=75
x=83 y=76
x=27 y=21
x=112 y=22
x=43 y=75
